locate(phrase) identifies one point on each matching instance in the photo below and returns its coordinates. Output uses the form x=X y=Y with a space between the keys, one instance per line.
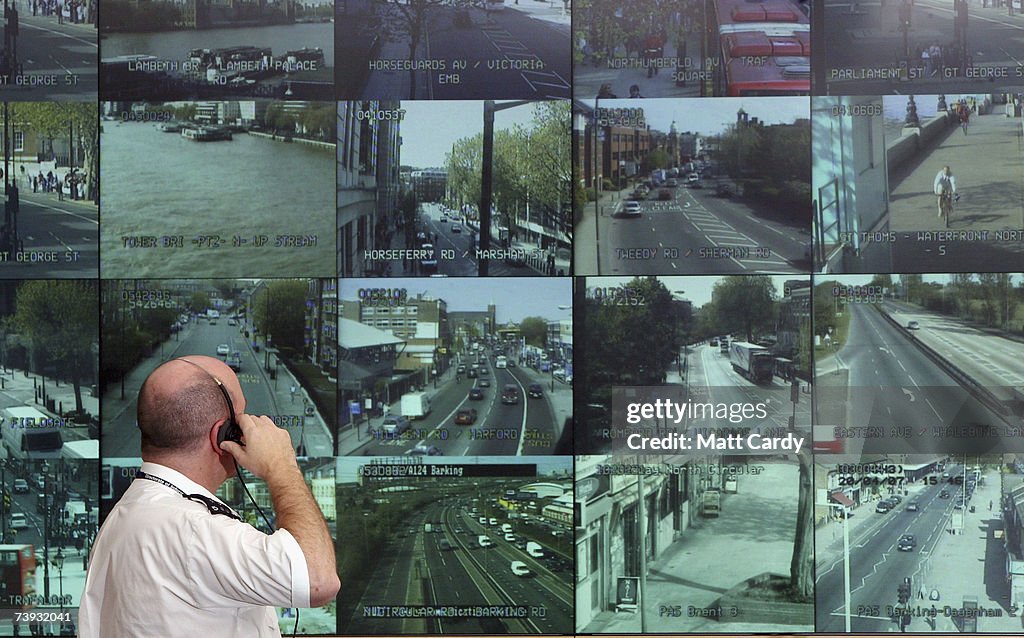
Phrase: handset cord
x=238 y=474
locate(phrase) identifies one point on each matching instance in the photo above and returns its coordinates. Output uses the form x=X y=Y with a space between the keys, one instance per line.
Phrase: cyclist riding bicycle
x=945 y=188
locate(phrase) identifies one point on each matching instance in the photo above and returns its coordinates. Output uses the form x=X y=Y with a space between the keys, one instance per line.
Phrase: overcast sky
x=429 y=128
x=713 y=115
x=514 y=297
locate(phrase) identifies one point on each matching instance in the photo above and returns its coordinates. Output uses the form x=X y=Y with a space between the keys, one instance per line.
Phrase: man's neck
x=209 y=477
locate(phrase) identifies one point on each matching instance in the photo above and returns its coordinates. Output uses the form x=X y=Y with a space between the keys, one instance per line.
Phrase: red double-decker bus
x=17 y=576
x=764 y=48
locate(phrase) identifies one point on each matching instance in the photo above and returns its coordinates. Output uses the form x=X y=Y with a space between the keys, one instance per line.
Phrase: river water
x=156 y=184
x=175 y=45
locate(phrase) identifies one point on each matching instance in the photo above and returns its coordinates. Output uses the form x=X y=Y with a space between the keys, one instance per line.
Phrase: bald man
x=171 y=559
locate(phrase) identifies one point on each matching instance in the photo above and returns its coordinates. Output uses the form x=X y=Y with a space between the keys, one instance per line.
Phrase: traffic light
x=903 y=593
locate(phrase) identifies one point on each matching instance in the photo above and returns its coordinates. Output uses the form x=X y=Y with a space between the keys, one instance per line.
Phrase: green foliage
x=631 y=344
x=52 y=120
x=658 y=158
x=745 y=304
x=534 y=330
x=199 y=301
x=279 y=310
x=531 y=168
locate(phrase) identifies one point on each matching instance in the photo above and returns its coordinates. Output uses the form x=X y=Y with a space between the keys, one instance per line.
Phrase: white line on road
x=66 y=212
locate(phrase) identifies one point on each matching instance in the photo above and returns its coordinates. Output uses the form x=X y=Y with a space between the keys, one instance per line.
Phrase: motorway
x=688 y=232
x=880 y=378
x=877 y=567
x=69 y=230
x=528 y=427
x=414 y=567
x=463 y=245
x=540 y=49
x=120 y=436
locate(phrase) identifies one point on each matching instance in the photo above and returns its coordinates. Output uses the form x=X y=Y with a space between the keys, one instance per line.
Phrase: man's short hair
x=178 y=418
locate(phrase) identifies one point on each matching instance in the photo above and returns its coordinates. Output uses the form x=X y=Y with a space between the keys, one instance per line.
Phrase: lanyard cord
x=214 y=507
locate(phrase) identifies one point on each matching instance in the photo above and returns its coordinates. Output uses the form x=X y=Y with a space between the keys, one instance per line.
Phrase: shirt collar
x=175 y=477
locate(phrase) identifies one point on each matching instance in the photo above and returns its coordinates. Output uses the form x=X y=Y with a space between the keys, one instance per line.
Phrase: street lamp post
x=58 y=562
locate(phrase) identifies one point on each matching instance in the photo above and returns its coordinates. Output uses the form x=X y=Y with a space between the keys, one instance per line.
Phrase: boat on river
x=206 y=133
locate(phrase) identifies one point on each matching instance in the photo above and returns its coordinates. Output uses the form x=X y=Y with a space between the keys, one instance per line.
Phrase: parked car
x=883 y=507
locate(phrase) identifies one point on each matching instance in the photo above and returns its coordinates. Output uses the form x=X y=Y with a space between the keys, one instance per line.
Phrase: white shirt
x=944 y=183
x=163 y=565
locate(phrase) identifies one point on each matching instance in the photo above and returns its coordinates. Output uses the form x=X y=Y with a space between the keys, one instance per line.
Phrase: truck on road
x=752 y=361
x=427 y=528
x=415 y=405
x=534 y=549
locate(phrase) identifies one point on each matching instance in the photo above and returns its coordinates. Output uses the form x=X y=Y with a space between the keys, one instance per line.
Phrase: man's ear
x=214 y=433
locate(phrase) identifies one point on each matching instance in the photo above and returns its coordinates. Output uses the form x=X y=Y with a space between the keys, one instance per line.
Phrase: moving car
x=906 y=543
x=18 y=521
x=535 y=391
x=394 y=424
x=944 y=494
x=430 y=261
x=223 y=350
x=20 y=486
x=484 y=383
x=664 y=194
x=519 y=568
x=913 y=325
x=630 y=209
x=510 y=394
x=465 y=416
x=457 y=228
x=476 y=394
x=912 y=506
x=423 y=449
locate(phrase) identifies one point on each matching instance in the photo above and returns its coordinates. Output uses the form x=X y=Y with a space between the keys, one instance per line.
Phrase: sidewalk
x=356 y=435
x=394 y=85
x=990 y=190
x=588 y=234
x=27 y=389
x=553 y=11
x=978 y=560
x=753 y=535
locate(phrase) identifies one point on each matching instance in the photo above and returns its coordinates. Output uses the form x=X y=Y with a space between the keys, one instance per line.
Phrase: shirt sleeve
x=233 y=563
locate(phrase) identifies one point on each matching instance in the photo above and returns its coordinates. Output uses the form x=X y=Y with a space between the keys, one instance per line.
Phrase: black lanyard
x=213 y=506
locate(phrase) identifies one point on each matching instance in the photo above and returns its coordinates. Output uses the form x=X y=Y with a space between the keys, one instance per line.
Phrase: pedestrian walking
x=292 y=391
x=60 y=191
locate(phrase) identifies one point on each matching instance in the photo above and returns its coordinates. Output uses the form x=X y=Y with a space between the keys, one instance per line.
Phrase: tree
x=745 y=303
x=534 y=330
x=411 y=18
x=464 y=175
x=199 y=302
x=76 y=121
x=801 y=565
x=278 y=312
x=658 y=158
x=58 y=318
